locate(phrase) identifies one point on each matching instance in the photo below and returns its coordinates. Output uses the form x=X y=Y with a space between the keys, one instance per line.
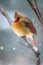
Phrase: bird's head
x=17 y=16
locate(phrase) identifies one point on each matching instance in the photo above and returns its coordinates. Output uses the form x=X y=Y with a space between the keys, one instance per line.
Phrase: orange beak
x=15 y=19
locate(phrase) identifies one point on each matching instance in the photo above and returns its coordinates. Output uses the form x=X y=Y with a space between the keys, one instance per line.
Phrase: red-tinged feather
x=32 y=29
x=30 y=26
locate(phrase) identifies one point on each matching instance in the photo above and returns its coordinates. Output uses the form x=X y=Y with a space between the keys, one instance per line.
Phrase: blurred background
x=12 y=52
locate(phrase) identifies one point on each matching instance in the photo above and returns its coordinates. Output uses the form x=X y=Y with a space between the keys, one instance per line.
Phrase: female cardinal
x=23 y=27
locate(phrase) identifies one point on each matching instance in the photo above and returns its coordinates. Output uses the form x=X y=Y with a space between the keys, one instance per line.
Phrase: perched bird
x=24 y=27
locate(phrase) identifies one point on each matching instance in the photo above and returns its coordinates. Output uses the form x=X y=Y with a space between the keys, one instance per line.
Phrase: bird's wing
x=28 y=23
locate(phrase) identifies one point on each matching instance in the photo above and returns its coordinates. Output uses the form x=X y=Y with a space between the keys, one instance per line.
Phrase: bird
x=23 y=27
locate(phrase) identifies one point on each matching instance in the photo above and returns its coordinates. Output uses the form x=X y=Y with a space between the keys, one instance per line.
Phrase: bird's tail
x=32 y=43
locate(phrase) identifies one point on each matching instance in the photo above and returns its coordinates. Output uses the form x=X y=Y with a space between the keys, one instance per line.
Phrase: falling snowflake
x=1 y=47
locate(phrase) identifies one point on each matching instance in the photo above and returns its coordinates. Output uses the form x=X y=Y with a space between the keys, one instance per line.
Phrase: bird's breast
x=20 y=29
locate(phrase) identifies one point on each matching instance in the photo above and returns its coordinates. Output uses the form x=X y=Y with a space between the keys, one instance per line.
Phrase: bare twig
x=3 y=12
x=37 y=57
x=34 y=6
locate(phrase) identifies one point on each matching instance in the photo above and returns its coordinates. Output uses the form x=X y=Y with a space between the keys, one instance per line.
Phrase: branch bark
x=35 y=8
x=4 y=13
